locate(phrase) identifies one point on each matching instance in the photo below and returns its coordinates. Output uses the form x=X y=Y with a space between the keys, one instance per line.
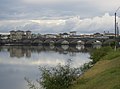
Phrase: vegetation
x=97 y=54
x=59 y=77
x=104 y=53
x=105 y=74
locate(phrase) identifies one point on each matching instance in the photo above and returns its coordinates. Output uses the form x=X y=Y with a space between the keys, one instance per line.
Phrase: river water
x=17 y=62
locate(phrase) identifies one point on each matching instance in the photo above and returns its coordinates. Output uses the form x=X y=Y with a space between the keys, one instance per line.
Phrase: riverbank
x=105 y=74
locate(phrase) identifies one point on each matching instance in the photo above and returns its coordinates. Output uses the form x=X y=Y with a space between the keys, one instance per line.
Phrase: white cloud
x=92 y=25
x=35 y=9
x=49 y=22
x=87 y=25
x=101 y=4
x=41 y=1
x=105 y=4
x=48 y=1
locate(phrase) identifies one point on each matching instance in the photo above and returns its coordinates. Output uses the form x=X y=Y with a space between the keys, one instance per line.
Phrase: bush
x=97 y=54
x=59 y=77
x=112 y=55
x=86 y=66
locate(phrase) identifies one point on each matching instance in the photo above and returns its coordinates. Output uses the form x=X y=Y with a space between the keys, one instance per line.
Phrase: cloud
x=90 y=25
x=105 y=4
x=86 y=25
x=49 y=1
x=37 y=9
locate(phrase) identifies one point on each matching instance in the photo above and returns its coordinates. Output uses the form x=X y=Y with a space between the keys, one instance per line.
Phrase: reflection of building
x=19 y=52
x=18 y=35
x=28 y=53
x=16 y=52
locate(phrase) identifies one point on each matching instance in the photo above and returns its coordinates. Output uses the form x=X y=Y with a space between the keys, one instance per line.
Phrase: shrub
x=97 y=54
x=86 y=66
x=59 y=77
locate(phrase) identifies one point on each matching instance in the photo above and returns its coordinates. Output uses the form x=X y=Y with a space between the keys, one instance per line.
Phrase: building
x=50 y=36
x=4 y=36
x=75 y=36
x=72 y=33
x=19 y=35
x=97 y=35
x=12 y=35
x=64 y=35
x=87 y=36
x=109 y=35
x=28 y=35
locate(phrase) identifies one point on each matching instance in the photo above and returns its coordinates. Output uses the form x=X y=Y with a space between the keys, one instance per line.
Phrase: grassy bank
x=105 y=74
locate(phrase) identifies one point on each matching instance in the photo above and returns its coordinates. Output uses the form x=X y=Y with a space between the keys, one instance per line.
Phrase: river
x=17 y=62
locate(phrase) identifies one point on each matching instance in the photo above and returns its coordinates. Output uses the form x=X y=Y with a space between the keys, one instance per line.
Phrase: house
x=87 y=36
x=64 y=35
x=4 y=37
x=19 y=35
x=72 y=33
x=50 y=36
x=97 y=35
x=108 y=34
x=75 y=36
x=12 y=35
x=16 y=35
x=28 y=35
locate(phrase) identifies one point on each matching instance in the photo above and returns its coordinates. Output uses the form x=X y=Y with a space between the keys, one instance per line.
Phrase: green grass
x=105 y=74
x=111 y=55
x=98 y=54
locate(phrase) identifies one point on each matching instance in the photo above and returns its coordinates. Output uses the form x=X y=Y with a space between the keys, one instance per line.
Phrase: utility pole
x=116 y=28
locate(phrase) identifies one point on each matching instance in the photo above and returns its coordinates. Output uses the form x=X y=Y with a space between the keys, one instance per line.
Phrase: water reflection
x=97 y=46
x=80 y=47
x=16 y=62
x=26 y=51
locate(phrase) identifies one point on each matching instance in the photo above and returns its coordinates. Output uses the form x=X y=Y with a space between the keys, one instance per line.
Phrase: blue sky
x=55 y=16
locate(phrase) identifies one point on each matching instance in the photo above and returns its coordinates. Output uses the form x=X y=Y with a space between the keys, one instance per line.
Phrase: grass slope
x=105 y=74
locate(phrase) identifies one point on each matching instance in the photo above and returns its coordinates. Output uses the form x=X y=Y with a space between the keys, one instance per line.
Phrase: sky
x=58 y=16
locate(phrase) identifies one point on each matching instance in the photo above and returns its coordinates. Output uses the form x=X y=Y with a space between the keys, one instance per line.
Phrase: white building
x=50 y=36
x=72 y=33
x=19 y=35
x=28 y=35
x=64 y=35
